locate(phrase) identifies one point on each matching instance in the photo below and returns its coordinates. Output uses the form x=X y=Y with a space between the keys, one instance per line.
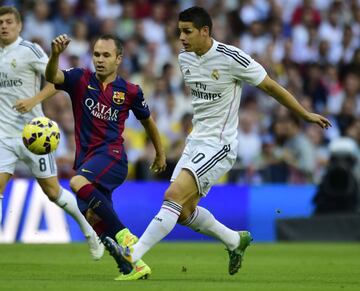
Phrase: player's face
x=9 y=29
x=192 y=38
x=105 y=58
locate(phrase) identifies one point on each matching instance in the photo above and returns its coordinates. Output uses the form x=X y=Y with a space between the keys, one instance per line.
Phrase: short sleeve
x=71 y=79
x=38 y=59
x=244 y=68
x=139 y=106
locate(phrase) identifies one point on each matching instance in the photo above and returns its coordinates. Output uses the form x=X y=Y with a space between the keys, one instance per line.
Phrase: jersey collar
x=211 y=50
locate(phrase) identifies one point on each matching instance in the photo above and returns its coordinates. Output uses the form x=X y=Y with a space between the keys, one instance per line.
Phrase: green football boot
x=236 y=256
x=141 y=270
x=125 y=238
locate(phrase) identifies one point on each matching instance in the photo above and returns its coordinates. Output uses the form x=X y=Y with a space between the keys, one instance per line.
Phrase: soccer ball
x=41 y=135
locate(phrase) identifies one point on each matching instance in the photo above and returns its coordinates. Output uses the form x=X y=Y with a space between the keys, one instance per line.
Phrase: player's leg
x=44 y=168
x=67 y=201
x=8 y=159
x=106 y=222
x=95 y=182
x=215 y=162
x=4 y=179
x=183 y=191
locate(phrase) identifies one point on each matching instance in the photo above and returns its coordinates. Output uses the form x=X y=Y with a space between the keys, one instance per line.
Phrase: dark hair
x=117 y=41
x=10 y=10
x=198 y=16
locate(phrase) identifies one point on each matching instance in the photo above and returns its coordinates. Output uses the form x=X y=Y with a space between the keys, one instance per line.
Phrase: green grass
x=266 y=267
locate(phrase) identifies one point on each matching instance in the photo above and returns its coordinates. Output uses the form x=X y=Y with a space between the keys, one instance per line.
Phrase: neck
x=6 y=43
x=106 y=79
x=203 y=50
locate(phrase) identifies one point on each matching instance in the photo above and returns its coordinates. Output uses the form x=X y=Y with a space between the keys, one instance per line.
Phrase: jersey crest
x=13 y=63
x=118 y=97
x=215 y=75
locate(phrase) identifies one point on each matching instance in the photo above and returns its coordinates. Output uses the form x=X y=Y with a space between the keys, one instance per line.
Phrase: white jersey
x=21 y=65
x=216 y=80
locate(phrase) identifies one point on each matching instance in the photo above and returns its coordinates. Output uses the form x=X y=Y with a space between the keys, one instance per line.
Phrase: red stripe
x=85 y=191
x=103 y=172
x=78 y=108
x=100 y=227
x=100 y=126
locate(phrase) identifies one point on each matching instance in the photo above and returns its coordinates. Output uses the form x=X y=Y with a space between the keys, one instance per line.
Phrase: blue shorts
x=105 y=172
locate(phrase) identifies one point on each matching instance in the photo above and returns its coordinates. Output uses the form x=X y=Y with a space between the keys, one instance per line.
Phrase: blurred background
x=311 y=47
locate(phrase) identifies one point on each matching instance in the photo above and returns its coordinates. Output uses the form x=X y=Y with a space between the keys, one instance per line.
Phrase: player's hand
x=318 y=119
x=59 y=44
x=24 y=105
x=159 y=164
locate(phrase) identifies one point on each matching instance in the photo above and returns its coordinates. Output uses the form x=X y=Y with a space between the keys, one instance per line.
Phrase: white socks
x=204 y=222
x=158 y=228
x=67 y=201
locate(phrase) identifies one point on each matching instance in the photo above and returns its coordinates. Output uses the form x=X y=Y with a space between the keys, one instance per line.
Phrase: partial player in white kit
x=215 y=73
x=21 y=65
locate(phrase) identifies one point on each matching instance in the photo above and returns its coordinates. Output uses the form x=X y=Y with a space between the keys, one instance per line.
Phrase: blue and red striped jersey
x=100 y=113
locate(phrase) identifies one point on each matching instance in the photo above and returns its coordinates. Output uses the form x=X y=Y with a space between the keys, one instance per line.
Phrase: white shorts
x=207 y=162
x=13 y=149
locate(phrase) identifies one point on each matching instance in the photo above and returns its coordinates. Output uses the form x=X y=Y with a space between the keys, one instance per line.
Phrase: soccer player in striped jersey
x=215 y=73
x=101 y=103
x=22 y=63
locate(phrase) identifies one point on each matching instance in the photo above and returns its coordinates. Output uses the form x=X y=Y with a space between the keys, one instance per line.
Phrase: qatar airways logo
x=101 y=111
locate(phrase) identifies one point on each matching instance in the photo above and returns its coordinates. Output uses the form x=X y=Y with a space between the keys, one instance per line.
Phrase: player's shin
x=204 y=222
x=99 y=204
x=158 y=228
x=67 y=201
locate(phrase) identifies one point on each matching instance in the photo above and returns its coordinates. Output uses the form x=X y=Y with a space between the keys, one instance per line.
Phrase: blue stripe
x=245 y=63
x=35 y=50
x=52 y=163
x=234 y=52
x=213 y=161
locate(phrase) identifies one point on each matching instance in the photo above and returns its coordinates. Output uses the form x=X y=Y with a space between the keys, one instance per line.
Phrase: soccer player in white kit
x=215 y=73
x=21 y=65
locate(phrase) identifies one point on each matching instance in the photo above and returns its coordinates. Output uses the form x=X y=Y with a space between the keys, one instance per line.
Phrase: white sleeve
x=37 y=58
x=244 y=68
x=181 y=66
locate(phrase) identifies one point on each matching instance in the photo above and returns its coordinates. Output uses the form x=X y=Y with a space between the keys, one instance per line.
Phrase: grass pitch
x=184 y=266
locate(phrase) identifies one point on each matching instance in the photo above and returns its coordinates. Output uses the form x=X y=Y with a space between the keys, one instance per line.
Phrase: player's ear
x=204 y=31
x=20 y=26
x=119 y=59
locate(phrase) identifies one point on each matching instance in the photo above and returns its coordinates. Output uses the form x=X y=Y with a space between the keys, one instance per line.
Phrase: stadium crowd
x=311 y=47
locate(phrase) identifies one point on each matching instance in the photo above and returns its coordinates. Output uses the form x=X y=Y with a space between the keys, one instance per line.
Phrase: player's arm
x=25 y=105
x=159 y=163
x=53 y=74
x=284 y=97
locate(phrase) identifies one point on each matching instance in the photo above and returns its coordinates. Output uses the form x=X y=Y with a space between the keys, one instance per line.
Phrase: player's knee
x=51 y=188
x=51 y=192
x=77 y=182
x=185 y=214
x=4 y=178
x=2 y=188
x=174 y=194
